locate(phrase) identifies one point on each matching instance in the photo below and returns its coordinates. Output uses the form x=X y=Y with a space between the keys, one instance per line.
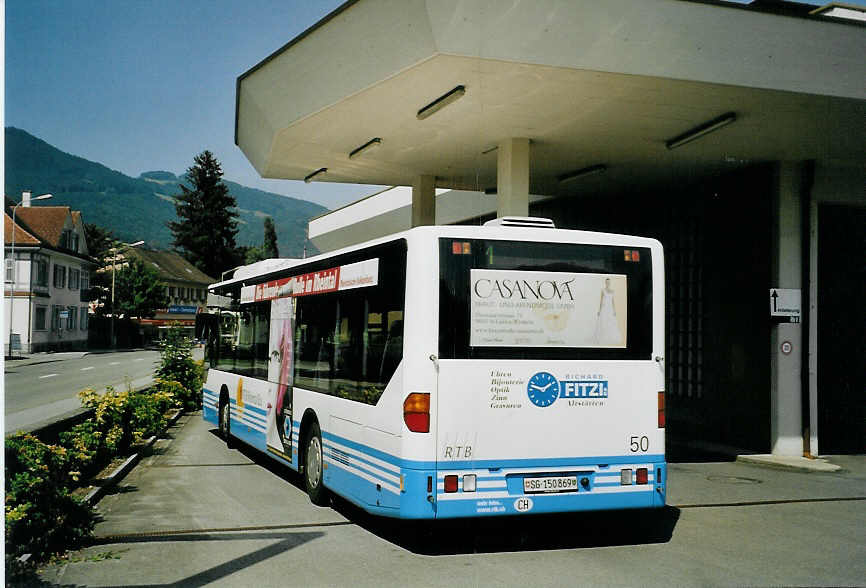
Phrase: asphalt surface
x=197 y=513
x=45 y=387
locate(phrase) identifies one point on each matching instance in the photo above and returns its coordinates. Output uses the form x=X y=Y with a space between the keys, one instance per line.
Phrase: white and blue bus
x=453 y=371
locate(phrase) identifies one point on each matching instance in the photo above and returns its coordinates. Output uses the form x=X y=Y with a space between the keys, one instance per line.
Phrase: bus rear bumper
x=503 y=491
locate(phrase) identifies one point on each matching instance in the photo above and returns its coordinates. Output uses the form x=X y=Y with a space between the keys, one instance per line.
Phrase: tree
x=99 y=243
x=207 y=219
x=253 y=254
x=270 y=243
x=138 y=292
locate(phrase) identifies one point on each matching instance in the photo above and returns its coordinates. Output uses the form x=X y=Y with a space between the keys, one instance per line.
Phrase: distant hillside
x=138 y=208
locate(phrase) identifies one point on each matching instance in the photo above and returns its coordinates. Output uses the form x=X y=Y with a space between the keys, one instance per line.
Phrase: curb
x=795 y=464
x=96 y=493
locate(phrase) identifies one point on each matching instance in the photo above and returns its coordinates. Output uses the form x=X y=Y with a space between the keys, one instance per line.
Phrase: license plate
x=550 y=484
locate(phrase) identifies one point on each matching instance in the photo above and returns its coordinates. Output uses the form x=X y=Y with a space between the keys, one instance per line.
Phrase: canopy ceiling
x=587 y=82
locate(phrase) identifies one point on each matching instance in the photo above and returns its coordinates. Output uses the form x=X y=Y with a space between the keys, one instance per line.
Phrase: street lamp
x=113 y=272
x=25 y=197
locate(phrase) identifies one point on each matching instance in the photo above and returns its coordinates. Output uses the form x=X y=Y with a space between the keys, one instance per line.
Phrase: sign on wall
x=786 y=302
x=177 y=309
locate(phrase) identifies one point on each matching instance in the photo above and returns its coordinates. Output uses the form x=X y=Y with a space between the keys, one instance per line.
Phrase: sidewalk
x=44 y=357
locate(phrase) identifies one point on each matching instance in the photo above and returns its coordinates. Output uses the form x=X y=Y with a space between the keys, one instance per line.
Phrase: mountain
x=139 y=208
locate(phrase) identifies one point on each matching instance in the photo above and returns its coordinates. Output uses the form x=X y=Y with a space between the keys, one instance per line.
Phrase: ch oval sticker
x=523 y=504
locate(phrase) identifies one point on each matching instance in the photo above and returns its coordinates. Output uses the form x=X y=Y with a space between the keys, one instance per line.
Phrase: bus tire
x=313 y=466
x=225 y=423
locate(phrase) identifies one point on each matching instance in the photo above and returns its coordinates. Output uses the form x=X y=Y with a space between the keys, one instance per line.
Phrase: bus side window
x=349 y=343
x=392 y=353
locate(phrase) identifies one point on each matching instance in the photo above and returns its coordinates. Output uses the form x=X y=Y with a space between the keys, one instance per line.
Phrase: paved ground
x=45 y=387
x=196 y=513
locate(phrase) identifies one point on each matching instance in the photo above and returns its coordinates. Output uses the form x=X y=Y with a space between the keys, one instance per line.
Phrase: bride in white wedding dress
x=606 y=328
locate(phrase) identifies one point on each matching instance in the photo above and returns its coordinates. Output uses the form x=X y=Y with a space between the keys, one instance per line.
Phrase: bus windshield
x=528 y=300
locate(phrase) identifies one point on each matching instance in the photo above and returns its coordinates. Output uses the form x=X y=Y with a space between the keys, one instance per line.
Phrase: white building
x=48 y=300
x=732 y=132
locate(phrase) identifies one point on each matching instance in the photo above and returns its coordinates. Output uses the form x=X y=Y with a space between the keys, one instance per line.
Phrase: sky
x=144 y=85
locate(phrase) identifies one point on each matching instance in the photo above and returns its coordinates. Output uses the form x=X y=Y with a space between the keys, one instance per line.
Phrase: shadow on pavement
x=520 y=533
x=499 y=534
x=286 y=541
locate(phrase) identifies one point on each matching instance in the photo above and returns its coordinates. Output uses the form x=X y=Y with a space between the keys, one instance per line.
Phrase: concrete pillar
x=512 y=178
x=787 y=264
x=424 y=201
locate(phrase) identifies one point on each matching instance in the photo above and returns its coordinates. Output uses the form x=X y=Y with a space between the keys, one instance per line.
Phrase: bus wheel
x=313 y=467
x=226 y=424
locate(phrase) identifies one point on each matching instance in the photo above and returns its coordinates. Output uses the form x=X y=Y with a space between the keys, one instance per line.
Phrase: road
x=197 y=513
x=37 y=391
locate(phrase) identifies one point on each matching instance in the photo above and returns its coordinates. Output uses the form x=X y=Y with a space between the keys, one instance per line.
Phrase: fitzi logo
x=543 y=389
x=583 y=389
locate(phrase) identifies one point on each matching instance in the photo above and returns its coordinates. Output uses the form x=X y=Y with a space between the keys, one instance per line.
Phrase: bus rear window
x=532 y=300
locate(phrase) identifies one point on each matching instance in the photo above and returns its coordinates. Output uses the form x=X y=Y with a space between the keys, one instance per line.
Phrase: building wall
x=19 y=305
x=25 y=307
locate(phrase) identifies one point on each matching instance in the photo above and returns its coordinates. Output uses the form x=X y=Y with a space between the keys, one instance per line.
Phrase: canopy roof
x=587 y=82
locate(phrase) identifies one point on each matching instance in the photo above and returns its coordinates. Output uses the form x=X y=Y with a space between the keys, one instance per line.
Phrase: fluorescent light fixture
x=374 y=142
x=310 y=177
x=441 y=102
x=490 y=150
x=586 y=171
x=701 y=130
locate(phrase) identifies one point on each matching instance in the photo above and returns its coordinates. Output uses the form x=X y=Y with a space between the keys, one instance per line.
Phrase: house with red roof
x=47 y=279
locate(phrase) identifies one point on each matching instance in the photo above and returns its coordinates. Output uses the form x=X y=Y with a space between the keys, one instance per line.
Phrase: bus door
x=280 y=377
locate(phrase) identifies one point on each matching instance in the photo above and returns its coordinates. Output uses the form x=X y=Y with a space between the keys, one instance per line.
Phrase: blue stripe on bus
x=359 y=482
x=360 y=459
x=371 y=451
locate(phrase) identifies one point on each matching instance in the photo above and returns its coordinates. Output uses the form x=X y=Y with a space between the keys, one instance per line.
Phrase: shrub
x=111 y=415
x=177 y=365
x=146 y=418
x=42 y=516
x=84 y=445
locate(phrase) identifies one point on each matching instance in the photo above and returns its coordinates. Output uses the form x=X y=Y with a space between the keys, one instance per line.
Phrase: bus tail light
x=451 y=483
x=469 y=483
x=640 y=476
x=661 y=410
x=416 y=412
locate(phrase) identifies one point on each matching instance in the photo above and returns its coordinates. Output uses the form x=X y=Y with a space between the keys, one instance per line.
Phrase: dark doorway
x=717 y=240
x=841 y=329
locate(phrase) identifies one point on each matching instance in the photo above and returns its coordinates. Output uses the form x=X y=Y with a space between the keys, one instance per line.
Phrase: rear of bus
x=548 y=393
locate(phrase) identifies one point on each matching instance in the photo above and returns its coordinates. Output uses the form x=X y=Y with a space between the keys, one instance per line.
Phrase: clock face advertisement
x=547 y=309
